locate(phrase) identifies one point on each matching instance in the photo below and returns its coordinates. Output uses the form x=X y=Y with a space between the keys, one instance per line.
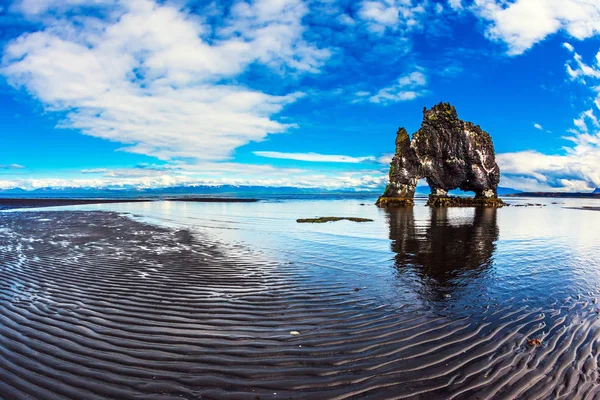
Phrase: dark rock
x=449 y=153
x=321 y=220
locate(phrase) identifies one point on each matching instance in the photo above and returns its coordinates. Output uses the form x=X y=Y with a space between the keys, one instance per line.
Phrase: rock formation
x=450 y=154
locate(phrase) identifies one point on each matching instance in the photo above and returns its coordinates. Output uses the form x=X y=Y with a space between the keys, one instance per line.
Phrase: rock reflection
x=446 y=253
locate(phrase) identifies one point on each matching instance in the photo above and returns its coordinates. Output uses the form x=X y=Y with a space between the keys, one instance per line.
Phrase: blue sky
x=290 y=92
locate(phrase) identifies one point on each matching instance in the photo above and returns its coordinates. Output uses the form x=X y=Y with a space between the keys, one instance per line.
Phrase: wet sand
x=96 y=305
x=8 y=203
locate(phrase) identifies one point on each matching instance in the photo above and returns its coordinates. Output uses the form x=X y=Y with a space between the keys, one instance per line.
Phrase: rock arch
x=449 y=153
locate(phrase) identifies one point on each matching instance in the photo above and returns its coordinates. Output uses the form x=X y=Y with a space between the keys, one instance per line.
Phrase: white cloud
x=568 y=46
x=150 y=75
x=577 y=168
x=523 y=23
x=313 y=157
x=407 y=87
x=395 y=15
x=455 y=4
x=385 y=159
x=538 y=126
x=577 y=69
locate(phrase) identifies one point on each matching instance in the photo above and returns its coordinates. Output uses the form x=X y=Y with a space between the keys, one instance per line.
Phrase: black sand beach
x=95 y=305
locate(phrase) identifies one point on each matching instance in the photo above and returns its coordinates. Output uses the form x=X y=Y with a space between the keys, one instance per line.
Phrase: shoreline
x=19 y=203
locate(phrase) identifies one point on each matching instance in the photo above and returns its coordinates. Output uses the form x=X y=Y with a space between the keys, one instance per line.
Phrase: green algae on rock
x=321 y=220
x=450 y=154
x=455 y=201
x=395 y=202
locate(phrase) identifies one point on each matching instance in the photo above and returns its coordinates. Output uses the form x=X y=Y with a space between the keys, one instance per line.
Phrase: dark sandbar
x=53 y=202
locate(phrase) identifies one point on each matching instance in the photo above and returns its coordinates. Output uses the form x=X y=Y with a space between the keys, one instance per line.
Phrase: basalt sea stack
x=450 y=154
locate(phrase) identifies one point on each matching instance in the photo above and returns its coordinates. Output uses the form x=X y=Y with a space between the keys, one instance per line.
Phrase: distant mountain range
x=218 y=191
x=579 y=195
x=247 y=191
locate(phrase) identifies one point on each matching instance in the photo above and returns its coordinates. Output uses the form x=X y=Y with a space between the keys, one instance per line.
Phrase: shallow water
x=521 y=252
x=420 y=303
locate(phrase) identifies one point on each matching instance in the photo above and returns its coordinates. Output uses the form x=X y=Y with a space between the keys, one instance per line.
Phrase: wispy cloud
x=313 y=157
x=140 y=170
x=11 y=166
x=407 y=87
x=538 y=126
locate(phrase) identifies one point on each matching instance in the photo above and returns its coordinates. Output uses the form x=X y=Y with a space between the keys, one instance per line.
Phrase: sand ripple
x=94 y=305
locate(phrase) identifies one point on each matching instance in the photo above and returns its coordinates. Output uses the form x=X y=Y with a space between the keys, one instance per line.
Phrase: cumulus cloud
x=151 y=76
x=523 y=23
x=407 y=87
x=313 y=157
x=538 y=126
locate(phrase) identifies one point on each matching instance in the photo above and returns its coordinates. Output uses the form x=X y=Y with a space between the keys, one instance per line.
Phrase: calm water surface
x=442 y=257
